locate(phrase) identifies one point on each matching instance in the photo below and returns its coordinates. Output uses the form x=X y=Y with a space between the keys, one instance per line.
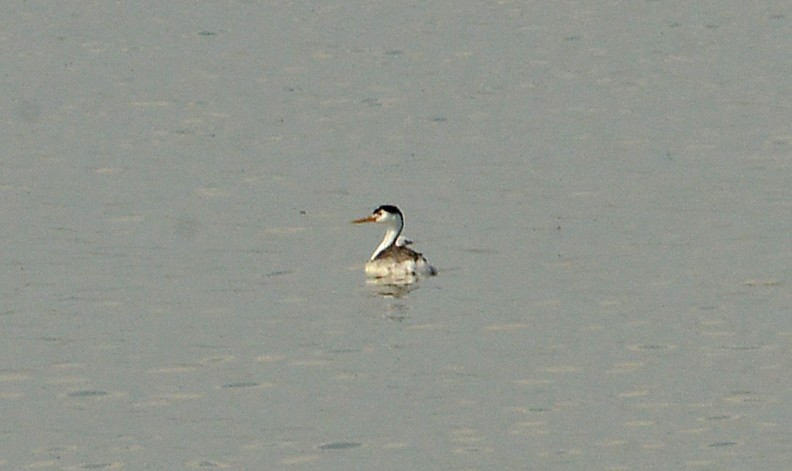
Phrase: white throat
x=391 y=234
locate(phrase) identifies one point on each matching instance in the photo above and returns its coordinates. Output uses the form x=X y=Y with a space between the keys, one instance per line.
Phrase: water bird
x=392 y=259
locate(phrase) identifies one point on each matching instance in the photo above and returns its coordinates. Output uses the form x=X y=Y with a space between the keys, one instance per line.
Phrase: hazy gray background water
x=605 y=187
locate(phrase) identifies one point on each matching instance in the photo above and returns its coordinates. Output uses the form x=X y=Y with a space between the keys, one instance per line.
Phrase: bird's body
x=392 y=259
x=398 y=261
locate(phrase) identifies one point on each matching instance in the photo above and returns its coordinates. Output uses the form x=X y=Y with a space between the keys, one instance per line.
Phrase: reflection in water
x=392 y=288
x=393 y=291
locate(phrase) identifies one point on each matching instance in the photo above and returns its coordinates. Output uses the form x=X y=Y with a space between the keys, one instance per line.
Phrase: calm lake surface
x=604 y=187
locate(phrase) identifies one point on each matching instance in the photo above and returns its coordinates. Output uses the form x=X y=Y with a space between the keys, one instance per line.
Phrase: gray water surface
x=604 y=188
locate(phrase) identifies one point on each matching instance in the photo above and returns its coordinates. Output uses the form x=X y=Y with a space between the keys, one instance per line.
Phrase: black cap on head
x=388 y=208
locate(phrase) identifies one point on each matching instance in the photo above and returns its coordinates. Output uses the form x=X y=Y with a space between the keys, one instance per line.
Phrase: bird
x=392 y=259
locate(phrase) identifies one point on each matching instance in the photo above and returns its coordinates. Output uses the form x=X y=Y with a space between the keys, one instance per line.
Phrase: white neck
x=394 y=229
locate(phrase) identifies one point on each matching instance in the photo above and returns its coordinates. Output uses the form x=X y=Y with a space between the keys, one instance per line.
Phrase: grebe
x=392 y=258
